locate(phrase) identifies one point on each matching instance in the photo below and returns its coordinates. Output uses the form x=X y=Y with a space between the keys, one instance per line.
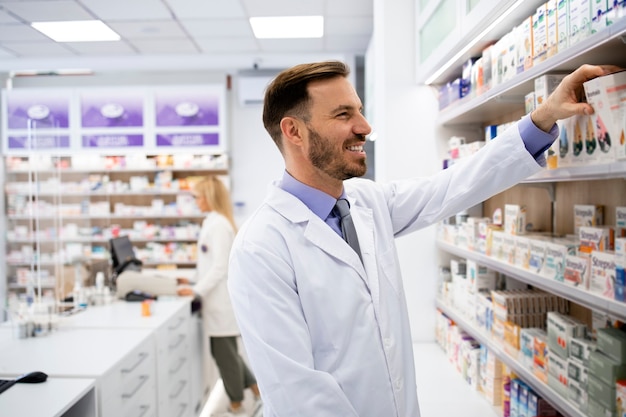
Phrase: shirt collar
x=317 y=201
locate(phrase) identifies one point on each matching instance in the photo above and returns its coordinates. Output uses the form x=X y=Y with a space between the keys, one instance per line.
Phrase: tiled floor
x=441 y=390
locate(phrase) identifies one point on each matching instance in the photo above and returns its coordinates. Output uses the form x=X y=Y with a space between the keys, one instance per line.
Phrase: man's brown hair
x=287 y=94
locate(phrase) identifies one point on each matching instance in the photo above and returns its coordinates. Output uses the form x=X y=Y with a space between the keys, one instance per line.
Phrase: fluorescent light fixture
x=77 y=31
x=283 y=27
x=470 y=44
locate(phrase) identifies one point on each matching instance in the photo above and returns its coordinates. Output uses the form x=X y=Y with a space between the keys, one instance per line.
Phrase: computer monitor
x=123 y=256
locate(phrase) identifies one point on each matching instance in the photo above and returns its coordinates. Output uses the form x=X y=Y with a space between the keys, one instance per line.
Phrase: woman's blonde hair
x=213 y=190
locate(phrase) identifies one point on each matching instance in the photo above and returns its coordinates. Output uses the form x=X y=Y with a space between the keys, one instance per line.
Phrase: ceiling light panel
x=77 y=31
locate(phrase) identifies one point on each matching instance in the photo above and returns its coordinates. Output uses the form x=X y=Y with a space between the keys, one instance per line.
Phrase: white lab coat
x=214 y=244
x=325 y=334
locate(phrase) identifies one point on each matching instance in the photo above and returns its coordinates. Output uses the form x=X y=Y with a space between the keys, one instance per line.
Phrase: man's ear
x=292 y=130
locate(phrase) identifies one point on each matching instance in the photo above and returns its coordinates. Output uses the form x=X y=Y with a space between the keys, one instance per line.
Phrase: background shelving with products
x=548 y=196
x=62 y=210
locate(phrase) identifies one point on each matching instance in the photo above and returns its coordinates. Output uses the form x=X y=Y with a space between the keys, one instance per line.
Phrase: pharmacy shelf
x=108 y=216
x=66 y=171
x=509 y=96
x=99 y=239
x=595 y=302
x=98 y=193
x=615 y=169
x=559 y=402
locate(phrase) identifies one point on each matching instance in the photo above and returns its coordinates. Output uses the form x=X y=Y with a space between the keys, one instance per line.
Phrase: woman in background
x=214 y=244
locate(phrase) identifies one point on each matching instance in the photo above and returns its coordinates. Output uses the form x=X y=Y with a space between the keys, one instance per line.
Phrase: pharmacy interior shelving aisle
x=440 y=388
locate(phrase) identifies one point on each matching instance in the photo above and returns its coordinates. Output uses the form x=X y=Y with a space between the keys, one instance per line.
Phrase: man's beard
x=323 y=158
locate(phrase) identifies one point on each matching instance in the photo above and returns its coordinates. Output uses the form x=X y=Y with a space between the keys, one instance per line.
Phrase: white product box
x=607 y=95
x=514 y=219
x=545 y=85
x=553 y=28
x=562 y=8
x=620 y=216
x=554 y=263
x=540 y=34
x=525 y=45
x=576 y=271
x=579 y=20
x=497 y=245
x=594 y=239
x=602 y=275
x=587 y=215
x=599 y=13
x=480 y=277
x=508 y=248
x=522 y=252
x=537 y=255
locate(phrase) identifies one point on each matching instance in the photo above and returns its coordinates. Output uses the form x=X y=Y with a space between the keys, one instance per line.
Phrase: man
x=327 y=333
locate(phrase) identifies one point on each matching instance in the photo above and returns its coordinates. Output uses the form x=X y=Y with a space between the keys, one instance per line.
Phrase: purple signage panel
x=112 y=140
x=111 y=109
x=39 y=142
x=188 y=139
x=187 y=108
x=27 y=110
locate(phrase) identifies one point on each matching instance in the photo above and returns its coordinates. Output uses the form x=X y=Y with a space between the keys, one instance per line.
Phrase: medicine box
x=602 y=273
x=577 y=393
x=620 y=397
x=508 y=248
x=576 y=271
x=540 y=357
x=604 y=95
x=595 y=409
x=594 y=239
x=579 y=20
x=554 y=261
x=602 y=392
x=538 y=406
x=605 y=368
x=540 y=34
x=581 y=348
x=545 y=85
x=558 y=385
x=562 y=13
x=553 y=32
x=557 y=366
x=514 y=219
x=522 y=252
x=577 y=371
x=514 y=410
x=620 y=217
x=587 y=215
x=612 y=342
x=561 y=329
x=537 y=255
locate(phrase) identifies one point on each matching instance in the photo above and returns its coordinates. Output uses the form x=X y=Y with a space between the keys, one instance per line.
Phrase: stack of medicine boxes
x=525 y=402
x=607 y=364
x=561 y=330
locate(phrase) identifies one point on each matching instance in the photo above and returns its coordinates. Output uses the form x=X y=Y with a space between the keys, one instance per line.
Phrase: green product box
x=595 y=409
x=612 y=342
x=603 y=393
x=581 y=348
x=606 y=368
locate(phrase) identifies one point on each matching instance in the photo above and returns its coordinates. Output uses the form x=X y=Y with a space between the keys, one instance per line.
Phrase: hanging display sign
x=120 y=120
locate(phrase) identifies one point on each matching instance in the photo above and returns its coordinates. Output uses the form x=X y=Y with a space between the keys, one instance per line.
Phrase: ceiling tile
x=44 y=49
x=4 y=53
x=347 y=43
x=292 y=45
x=102 y=48
x=128 y=10
x=21 y=33
x=348 y=26
x=284 y=7
x=350 y=8
x=146 y=30
x=228 y=45
x=194 y=9
x=211 y=28
x=7 y=18
x=165 y=46
x=47 y=11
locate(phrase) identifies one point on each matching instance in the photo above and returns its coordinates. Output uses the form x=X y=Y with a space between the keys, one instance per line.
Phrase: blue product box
x=619 y=292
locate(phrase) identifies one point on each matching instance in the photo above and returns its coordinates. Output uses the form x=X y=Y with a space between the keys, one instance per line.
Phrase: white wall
x=404 y=114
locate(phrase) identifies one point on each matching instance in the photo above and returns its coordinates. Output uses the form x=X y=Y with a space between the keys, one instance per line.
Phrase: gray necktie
x=342 y=207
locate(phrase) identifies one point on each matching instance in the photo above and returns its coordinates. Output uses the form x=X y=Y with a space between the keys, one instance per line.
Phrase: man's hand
x=566 y=100
x=184 y=291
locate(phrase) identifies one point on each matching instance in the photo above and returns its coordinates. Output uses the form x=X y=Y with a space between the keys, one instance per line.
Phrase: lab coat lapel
x=364 y=224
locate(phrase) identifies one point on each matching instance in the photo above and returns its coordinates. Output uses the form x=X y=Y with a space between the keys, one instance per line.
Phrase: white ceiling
x=177 y=33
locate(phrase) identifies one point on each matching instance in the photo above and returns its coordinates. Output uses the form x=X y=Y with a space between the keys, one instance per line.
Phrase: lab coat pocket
x=389 y=271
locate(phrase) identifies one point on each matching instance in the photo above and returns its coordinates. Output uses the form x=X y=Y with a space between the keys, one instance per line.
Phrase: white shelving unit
x=55 y=209
x=504 y=101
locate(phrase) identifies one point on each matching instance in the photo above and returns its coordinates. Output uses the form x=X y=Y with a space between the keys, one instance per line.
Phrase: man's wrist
x=542 y=119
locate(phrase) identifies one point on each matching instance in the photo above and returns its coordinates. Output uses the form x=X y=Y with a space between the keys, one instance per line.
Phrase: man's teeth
x=358 y=148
